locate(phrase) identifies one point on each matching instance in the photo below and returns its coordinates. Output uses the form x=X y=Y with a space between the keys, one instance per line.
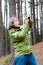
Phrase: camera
x=29 y=18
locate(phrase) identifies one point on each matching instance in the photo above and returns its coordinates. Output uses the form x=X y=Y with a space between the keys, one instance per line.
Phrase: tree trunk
x=18 y=9
x=21 y=14
x=34 y=22
x=12 y=8
x=25 y=9
x=1 y=34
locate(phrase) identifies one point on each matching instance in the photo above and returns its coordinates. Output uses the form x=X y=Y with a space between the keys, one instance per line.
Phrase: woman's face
x=16 y=23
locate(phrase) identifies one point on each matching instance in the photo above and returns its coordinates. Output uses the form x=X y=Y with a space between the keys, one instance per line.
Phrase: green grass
x=6 y=60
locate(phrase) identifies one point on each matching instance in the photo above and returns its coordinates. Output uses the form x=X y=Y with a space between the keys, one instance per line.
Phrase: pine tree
x=1 y=33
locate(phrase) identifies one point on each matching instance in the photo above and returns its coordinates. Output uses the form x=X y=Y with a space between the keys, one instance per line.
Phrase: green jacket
x=21 y=40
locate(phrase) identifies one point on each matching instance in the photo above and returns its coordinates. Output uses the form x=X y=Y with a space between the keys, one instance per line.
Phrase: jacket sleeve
x=20 y=35
x=25 y=27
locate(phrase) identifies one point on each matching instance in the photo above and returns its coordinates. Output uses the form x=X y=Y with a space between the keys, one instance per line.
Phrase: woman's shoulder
x=12 y=30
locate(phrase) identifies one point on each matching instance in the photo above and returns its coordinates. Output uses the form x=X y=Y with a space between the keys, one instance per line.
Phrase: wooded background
x=20 y=9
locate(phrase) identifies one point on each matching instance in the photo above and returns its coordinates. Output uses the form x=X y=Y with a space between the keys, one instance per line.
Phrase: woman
x=21 y=41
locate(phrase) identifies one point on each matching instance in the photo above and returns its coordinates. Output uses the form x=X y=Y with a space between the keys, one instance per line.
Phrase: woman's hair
x=11 y=21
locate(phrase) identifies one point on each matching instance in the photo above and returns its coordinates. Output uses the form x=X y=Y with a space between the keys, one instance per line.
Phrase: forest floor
x=38 y=51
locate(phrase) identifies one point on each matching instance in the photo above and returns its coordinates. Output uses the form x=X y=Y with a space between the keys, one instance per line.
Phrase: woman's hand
x=26 y=20
x=29 y=21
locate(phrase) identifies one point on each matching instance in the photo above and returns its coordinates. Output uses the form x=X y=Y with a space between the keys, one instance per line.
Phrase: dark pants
x=28 y=59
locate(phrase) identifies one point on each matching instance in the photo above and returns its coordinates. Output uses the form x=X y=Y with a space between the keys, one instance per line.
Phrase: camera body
x=30 y=22
x=29 y=18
